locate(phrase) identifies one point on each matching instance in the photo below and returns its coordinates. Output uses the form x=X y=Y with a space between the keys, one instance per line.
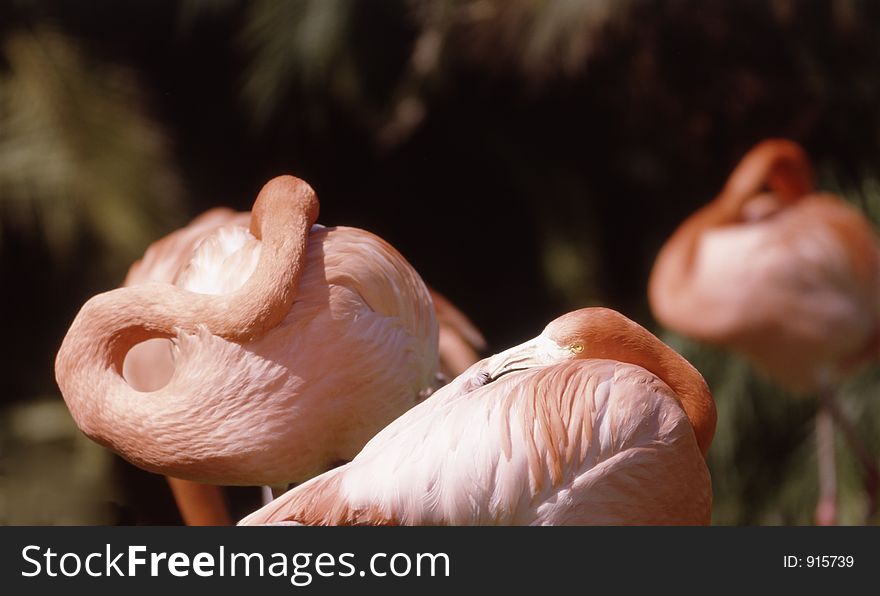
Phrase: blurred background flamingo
x=595 y=421
x=787 y=276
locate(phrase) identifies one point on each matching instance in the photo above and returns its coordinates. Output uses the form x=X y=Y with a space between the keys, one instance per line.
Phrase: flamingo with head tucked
x=786 y=276
x=149 y=365
x=595 y=421
x=293 y=345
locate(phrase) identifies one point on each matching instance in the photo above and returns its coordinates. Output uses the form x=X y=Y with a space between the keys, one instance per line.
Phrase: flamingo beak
x=521 y=357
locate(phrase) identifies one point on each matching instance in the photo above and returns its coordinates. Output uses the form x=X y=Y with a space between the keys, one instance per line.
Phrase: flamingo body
x=791 y=280
x=786 y=276
x=560 y=440
x=356 y=347
x=285 y=398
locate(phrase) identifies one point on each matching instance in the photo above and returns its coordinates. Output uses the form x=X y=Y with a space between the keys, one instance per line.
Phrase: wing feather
x=521 y=450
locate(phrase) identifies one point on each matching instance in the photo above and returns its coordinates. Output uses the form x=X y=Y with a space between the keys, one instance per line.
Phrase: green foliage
x=77 y=151
x=763 y=458
x=304 y=43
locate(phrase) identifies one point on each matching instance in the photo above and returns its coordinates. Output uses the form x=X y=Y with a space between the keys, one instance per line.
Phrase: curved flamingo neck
x=610 y=335
x=778 y=164
x=88 y=367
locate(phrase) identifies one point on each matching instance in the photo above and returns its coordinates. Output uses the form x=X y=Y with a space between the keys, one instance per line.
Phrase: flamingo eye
x=577 y=348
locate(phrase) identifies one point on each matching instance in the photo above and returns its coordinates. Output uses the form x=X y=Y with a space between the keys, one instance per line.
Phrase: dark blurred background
x=527 y=157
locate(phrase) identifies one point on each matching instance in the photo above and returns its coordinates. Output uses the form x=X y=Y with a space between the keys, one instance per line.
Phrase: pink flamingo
x=293 y=344
x=595 y=421
x=786 y=276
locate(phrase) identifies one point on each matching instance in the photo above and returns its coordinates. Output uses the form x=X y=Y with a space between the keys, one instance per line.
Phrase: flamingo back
x=584 y=442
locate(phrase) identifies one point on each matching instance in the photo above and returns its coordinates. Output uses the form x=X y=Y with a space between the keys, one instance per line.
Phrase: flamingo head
x=574 y=335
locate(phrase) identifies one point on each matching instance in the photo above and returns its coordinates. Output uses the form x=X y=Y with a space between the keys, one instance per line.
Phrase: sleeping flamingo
x=786 y=276
x=261 y=313
x=149 y=365
x=595 y=421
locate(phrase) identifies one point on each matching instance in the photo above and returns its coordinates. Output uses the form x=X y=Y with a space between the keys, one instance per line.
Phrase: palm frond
x=302 y=42
x=77 y=150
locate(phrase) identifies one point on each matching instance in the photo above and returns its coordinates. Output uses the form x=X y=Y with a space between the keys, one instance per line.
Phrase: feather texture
x=572 y=441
